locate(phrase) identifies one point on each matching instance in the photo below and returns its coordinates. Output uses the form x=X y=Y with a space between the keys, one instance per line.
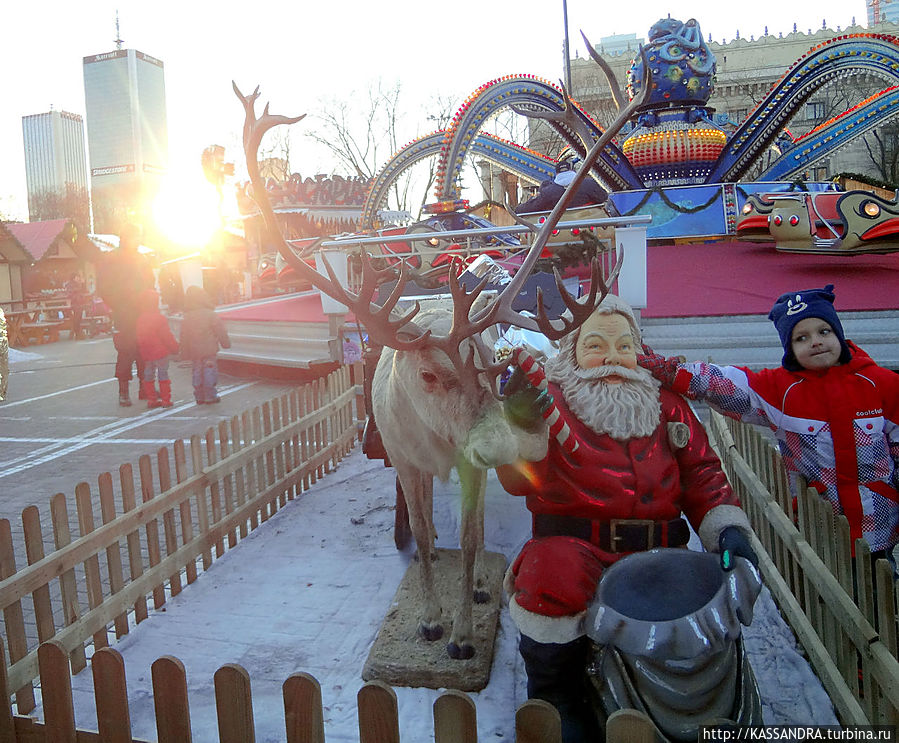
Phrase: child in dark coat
x=202 y=332
x=155 y=344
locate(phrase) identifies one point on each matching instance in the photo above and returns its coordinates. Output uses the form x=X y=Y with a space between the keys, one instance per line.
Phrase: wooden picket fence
x=806 y=562
x=241 y=472
x=455 y=716
x=72 y=593
x=65 y=603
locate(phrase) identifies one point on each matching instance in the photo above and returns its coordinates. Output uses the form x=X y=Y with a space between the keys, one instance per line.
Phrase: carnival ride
x=675 y=163
x=671 y=162
x=696 y=223
x=846 y=223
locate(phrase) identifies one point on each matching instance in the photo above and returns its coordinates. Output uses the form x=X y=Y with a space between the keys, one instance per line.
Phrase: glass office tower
x=55 y=170
x=127 y=137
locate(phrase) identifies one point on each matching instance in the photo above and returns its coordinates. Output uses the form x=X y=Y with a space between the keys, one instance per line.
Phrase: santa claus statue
x=632 y=461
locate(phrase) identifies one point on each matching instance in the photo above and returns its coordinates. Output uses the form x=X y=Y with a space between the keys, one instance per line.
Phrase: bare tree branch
x=364 y=131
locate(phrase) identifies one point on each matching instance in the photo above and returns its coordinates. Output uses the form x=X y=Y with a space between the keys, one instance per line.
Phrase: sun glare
x=186 y=211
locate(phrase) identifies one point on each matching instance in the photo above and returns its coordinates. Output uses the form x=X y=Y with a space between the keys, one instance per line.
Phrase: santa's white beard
x=628 y=409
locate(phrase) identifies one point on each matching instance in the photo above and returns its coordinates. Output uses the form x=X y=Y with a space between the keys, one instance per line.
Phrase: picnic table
x=42 y=320
x=14 y=320
x=35 y=325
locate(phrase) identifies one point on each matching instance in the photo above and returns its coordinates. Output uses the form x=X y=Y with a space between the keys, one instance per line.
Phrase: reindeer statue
x=434 y=392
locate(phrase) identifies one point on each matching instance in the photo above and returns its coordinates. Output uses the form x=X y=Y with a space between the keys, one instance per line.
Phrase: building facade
x=746 y=70
x=882 y=10
x=55 y=167
x=127 y=135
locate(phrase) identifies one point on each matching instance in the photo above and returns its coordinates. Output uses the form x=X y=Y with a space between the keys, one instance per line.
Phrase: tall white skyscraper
x=127 y=135
x=55 y=171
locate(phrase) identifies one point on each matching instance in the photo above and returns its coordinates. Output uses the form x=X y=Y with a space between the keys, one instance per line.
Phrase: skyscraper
x=127 y=136
x=55 y=171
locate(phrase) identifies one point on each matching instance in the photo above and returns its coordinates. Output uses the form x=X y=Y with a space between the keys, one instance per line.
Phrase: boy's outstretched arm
x=727 y=389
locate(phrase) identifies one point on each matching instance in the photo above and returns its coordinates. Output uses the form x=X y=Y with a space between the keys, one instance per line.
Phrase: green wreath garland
x=797 y=185
x=572 y=255
x=669 y=203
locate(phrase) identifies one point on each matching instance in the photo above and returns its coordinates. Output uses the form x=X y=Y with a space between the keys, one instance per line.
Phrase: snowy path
x=307 y=592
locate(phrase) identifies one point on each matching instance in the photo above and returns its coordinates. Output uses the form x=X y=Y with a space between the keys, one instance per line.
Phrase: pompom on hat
x=793 y=307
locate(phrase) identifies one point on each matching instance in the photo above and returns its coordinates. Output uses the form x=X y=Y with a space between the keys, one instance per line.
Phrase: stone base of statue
x=667 y=624
x=400 y=657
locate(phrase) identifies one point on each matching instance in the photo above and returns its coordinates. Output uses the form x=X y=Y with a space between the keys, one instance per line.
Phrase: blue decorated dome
x=681 y=63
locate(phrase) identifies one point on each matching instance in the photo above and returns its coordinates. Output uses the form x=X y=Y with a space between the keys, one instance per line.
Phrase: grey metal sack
x=667 y=629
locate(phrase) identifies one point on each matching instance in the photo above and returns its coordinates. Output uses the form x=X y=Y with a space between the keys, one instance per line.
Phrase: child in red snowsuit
x=833 y=411
x=156 y=345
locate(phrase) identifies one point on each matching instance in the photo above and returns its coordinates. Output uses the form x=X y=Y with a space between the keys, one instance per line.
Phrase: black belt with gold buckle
x=615 y=535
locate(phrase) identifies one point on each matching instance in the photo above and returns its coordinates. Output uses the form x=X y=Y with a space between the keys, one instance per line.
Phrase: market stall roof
x=320 y=211
x=39 y=238
x=11 y=250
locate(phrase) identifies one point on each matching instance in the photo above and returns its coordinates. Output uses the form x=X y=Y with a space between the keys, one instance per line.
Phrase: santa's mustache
x=600 y=372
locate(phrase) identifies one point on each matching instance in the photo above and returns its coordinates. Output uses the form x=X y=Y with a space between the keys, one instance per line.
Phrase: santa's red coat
x=641 y=478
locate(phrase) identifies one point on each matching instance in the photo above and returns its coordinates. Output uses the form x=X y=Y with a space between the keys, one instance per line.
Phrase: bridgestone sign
x=112 y=170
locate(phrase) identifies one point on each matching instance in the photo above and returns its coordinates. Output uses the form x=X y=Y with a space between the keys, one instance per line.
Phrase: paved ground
x=61 y=424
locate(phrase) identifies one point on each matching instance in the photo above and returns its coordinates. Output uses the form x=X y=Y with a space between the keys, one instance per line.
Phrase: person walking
x=77 y=295
x=123 y=275
x=156 y=344
x=4 y=356
x=202 y=333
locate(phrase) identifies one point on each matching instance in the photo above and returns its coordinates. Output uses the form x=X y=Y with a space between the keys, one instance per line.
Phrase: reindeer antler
x=567 y=117
x=381 y=328
x=401 y=333
x=614 y=88
x=254 y=129
x=579 y=309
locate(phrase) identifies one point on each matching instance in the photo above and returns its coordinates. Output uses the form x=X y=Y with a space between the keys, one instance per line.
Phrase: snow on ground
x=16 y=355
x=307 y=592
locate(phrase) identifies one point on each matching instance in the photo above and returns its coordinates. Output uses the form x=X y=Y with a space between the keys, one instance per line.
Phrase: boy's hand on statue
x=524 y=404
x=733 y=543
x=662 y=368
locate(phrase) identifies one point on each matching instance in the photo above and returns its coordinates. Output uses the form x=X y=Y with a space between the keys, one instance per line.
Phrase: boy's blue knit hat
x=793 y=307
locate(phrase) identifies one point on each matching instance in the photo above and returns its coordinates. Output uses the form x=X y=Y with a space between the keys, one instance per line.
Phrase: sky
x=308 y=591
x=301 y=54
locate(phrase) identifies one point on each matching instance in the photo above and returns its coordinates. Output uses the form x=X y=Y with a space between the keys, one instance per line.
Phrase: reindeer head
x=463 y=344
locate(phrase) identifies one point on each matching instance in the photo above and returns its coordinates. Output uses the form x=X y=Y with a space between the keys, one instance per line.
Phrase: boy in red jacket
x=155 y=344
x=834 y=412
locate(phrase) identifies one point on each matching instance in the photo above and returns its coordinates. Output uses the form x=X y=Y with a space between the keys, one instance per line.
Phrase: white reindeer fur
x=428 y=418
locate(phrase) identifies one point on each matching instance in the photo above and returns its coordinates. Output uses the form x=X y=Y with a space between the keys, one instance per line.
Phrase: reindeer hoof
x=481 y=596
x=460 y=652
x=430 y=632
